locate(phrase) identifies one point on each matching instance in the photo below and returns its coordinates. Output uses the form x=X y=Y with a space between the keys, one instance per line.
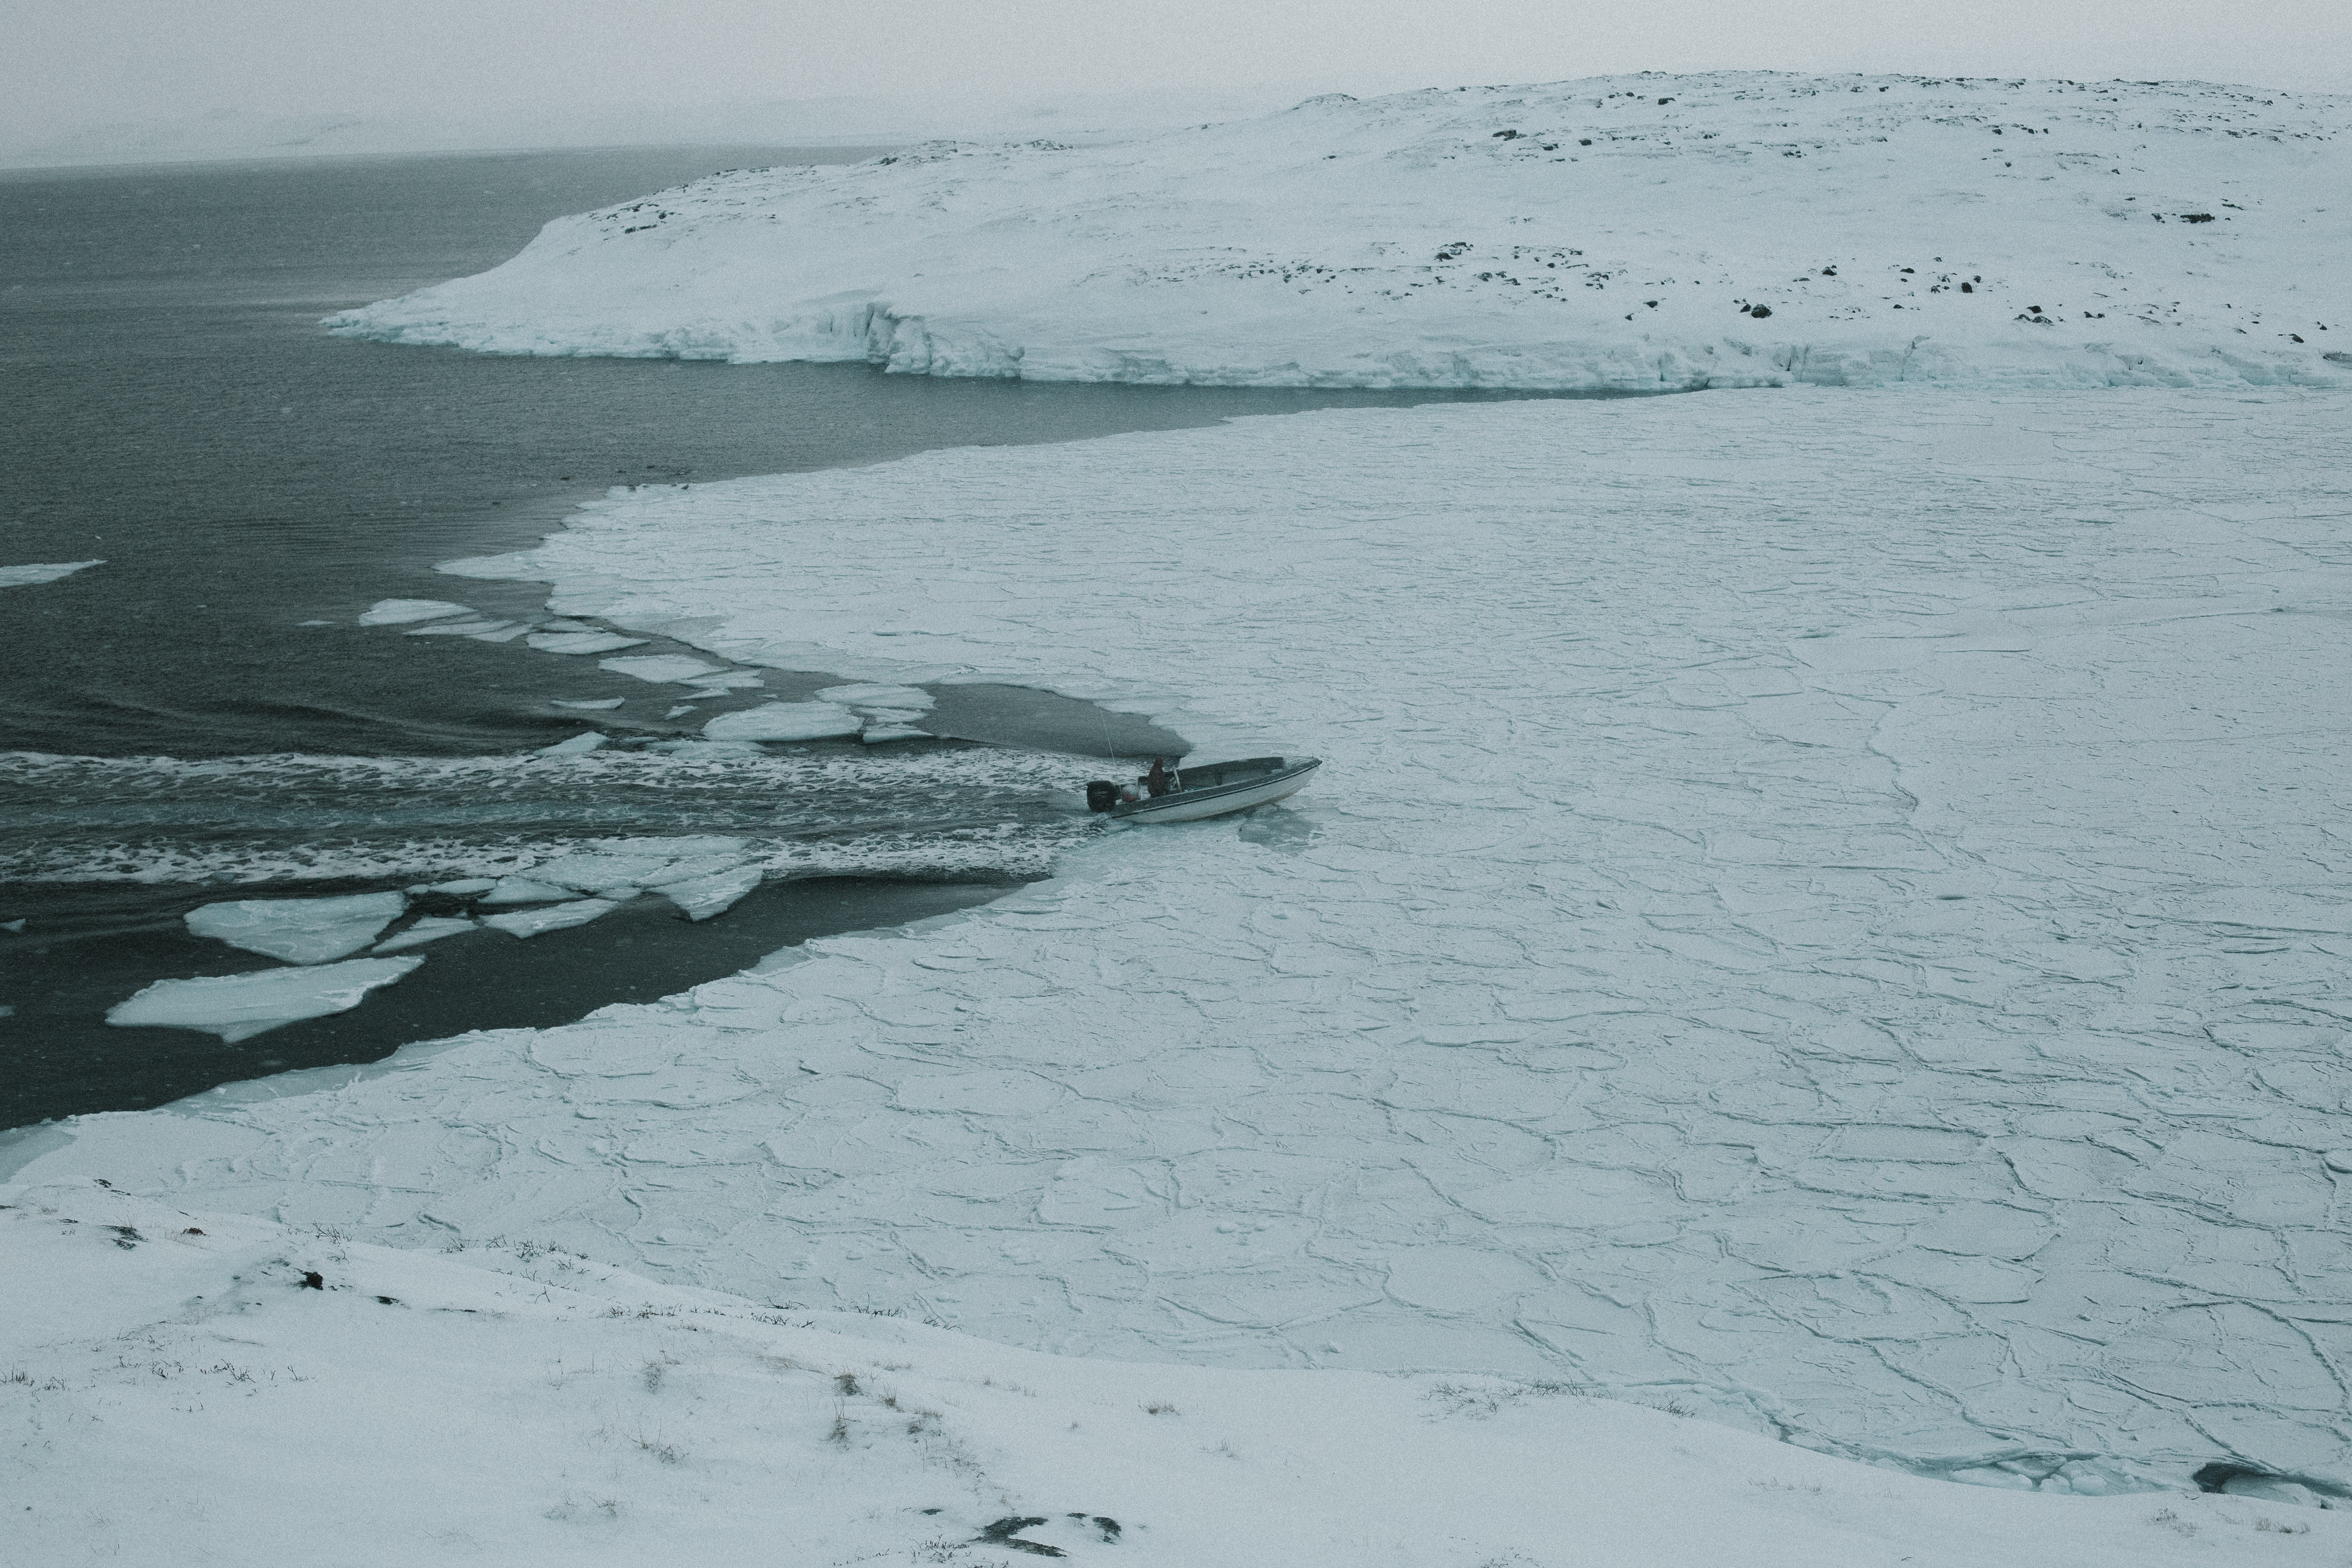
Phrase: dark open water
x=170 y=404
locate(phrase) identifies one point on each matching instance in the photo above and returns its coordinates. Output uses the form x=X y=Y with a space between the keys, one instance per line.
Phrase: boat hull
x=1195 y=806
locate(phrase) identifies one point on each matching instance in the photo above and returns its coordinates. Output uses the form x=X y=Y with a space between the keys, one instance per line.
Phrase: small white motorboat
x=1210 y=789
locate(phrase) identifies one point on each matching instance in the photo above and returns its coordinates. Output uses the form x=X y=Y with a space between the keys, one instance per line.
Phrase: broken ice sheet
x=401 y=612
x=238 y=1007
x=469 y=628
x=521 y=890
x=299 y=931
x=911 y=700
x=432 y=928
x=581 y=642
x=599 y=704
x=703 y=897
x=580 y=745
x=551 y=917
x=784 y=721
x=599 y=873
x=660 y=667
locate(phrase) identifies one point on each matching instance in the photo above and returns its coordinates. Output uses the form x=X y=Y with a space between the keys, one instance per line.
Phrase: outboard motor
x=1101 y=796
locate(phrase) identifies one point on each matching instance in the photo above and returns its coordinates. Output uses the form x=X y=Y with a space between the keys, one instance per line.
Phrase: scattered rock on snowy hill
x=1594 y=234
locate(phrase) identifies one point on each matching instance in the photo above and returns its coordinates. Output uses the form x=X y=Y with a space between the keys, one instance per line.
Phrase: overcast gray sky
x=69 y=63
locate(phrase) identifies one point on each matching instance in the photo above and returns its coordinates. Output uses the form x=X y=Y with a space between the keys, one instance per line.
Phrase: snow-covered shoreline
x=1821 y=906
x=183 y=1386
x=1632 y=233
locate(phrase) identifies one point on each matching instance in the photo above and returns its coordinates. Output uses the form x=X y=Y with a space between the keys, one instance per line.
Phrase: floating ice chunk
x=786 y=721
x=522 y=890
x=400 y=612
x=475 y=628
x=42 y=572
x=599 y=873
x=671 y=848
x=689 y=869
x=563 y=626
x=581 y=642
x=432 y=928
x=504 y=633
x=703 y=897
x=17 y=928
x=580 y=745
x=877 y=734
x=707 y=750
x=668 y=667
x=299 y=931
x=238 y=1007
x=464 y=885
x=912 y=699
x=554 y=916
x=683 y=708
x=599 y=704
x=314 y=623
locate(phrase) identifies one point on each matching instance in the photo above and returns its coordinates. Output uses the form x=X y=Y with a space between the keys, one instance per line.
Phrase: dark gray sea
x=204 y=717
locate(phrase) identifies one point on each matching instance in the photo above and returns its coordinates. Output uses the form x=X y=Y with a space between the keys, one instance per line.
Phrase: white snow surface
x=26 y=576
x=299 y=931
x=1827 y=908
x=1608 y=233
x=239 y=1006
x=181 y=1396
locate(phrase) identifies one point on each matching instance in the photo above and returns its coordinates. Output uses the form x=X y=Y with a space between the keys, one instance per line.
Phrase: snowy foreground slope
x=176 y=1393
x=1827 y=910
x=1649 y=232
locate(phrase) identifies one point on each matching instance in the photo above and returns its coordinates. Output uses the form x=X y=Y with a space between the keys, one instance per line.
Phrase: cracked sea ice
x=1796 y=916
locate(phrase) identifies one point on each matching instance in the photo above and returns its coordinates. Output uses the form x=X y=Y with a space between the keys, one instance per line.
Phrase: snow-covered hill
x=186 y=1387
x=1646 y=232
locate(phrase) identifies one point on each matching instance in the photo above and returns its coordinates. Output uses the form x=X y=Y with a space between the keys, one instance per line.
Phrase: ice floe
x=784 y=721
x=551 y=917
x=580 y=745
x=522 y=890
x=403 y=611
x=1642 y=233
x=483 y=628
x=661 y=666
x=299 y=931
x=238 y=1007
x=594 y=705
x=581 y=642
x=1820 y=903
x=432 y=928
x=26 y=576
x=869 y=697
x=560 y=1410
x=594 y=873
x=712 y=893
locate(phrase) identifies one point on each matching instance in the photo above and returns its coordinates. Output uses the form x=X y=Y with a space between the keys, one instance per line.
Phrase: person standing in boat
x=1158 y=781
